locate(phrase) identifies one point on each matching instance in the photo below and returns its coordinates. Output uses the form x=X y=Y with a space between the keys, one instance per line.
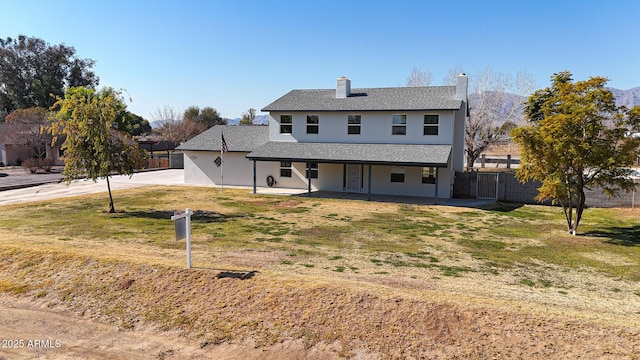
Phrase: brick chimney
x=343 y=87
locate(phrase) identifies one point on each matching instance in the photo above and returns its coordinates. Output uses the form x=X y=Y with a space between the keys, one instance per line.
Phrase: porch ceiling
x=376 y=154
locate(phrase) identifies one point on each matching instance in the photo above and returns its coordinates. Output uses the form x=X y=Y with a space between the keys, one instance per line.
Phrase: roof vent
x=343 y=87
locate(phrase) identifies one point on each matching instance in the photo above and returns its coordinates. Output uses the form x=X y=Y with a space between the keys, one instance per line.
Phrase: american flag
x=224 y=148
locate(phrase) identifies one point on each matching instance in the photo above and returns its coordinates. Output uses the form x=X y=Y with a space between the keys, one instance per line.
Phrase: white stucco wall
x=375 y=127
x=3 y=154
x=331 y=178
x=200 y=169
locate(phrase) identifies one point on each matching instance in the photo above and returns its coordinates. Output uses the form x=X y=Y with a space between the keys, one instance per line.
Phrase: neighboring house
x=396 y=141
x=13 y=149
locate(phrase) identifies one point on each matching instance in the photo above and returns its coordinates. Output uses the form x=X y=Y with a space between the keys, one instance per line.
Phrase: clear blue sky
x=233 y=55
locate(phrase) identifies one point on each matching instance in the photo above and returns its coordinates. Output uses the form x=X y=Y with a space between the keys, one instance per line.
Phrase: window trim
x=313 y=124
x=397 y=174
x=314 y=170
x=353 y=126
x=431 y=125
x=431 y=172
x=286 y=169
x=286 y=125
x=399 y=127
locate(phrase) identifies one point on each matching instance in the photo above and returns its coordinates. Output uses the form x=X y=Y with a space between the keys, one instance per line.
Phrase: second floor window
x=286 y=124
x=353 y=124
x=313 y=122
x=431 y=125
x=399 y=125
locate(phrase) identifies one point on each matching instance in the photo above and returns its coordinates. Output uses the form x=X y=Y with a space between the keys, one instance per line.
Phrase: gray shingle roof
x=238 y=138
x=370 y=99
x=400 y=154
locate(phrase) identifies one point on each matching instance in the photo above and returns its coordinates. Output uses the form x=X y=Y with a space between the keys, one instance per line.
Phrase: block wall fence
x=511 y=190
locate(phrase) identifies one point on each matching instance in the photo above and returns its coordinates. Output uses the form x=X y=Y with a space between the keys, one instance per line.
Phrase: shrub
x=46 y=164
x=31 y=164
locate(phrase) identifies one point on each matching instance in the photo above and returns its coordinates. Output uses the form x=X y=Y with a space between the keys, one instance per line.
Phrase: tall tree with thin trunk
x=248 y=117
x=93 y=147
x=418 y=78
x=494 y=110
x=576 y=137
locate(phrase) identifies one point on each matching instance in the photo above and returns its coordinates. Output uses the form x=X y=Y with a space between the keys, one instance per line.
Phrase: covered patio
x=364 y=154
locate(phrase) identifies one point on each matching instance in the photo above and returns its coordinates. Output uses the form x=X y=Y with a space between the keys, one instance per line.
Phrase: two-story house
x=396 y=141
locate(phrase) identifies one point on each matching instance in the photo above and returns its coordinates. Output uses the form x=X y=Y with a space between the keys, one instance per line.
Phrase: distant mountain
x=259 y=120
x=628 y=98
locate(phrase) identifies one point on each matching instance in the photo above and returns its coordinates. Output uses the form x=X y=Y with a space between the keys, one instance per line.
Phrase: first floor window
x=285 y=168
x=353 y=123
x=286 y=124
x=431 y=125
x=397 y=174
x=313 y=122
x=428 y=175
x=399 y=125
x=314 y=170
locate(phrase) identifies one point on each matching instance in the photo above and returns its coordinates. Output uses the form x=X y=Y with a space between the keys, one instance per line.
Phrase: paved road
x=57 y=189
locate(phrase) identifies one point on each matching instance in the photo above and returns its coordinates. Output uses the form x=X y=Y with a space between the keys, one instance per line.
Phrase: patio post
x=437 y=180
x=369 y=184
x=254 y=176
x=309 y=179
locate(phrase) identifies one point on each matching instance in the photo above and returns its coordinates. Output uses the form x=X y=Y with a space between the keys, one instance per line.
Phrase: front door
x=354 y=177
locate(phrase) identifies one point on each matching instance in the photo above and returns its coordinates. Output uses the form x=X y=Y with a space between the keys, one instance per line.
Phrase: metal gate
x=487 y=186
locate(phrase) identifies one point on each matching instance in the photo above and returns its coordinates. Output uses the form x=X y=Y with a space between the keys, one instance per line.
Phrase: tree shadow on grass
x=501 y=206
x=199 y=216
x=626 y=236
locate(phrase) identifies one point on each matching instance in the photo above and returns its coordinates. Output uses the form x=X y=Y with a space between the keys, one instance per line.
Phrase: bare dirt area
x=115 y=306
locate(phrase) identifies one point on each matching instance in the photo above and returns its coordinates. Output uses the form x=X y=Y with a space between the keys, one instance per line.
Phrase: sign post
x=182 y=221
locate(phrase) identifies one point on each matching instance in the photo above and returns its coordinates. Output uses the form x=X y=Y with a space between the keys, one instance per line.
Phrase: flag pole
x=223 y=149
x=222 y=172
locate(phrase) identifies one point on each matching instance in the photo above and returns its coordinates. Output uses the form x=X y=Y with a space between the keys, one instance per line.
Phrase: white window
x=428 y=175
x=313 y=122
x=431 y=125
x=353 y=124
x=397 y=174
x=314 y=170
x=285 y=168
x=286 y=124
x=399 y=125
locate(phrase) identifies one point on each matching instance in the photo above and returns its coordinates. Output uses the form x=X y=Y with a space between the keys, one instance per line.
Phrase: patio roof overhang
x=350 y=153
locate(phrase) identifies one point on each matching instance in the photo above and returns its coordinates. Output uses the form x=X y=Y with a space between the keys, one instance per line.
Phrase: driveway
x=80 y=187
x=56 y=189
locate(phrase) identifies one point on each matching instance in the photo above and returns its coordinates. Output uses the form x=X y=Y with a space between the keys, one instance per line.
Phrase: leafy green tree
x=248 y=117
x=139 y=125
x=93 y=147
x=205 y=118
x=576 y=138
x=34 y=73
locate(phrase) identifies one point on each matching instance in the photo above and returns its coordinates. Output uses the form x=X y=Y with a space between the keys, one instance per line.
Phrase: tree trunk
x=579 y=209
x=112 y=208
